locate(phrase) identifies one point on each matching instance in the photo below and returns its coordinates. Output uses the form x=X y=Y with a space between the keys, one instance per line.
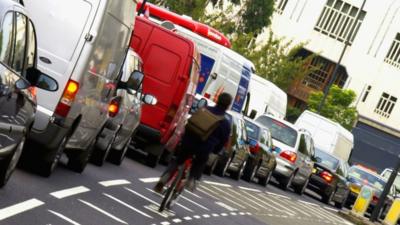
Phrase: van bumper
x=50 y=137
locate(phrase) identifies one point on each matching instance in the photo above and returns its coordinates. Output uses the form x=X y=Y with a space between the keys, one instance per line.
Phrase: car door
x=16 y=99
x=302 y=157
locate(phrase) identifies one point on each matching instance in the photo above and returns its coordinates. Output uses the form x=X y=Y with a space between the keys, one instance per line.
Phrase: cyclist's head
x=224 y=101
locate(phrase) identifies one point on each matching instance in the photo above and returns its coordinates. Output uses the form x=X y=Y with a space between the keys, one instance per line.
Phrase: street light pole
x=382 y=198
x=337 y=66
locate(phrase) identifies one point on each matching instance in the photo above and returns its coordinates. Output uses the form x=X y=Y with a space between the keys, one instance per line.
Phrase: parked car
x=82 y=44
x=125 y=111
x=261 y=162
x=171 y=65
x=360 y=176
x=329 y=178
x=294 y=149
x=18 y=81
x=233 y=157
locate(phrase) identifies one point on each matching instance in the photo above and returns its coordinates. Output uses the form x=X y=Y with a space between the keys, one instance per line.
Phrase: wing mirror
x=134 y=82
x=149 y=99
x=40 y=80
x=214 y=76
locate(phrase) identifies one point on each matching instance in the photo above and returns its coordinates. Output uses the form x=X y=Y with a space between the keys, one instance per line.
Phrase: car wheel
x=100 y=153
x=210 y=168
x=265 y=180
x=152 y=160
x=238 y=174
x=249 y=172
x=116 y=157
x=284 y=183
x=301 y=189
x=7 y=166
x=327 y=197
x=50 y=158
x=77 y=160
x=342 y=204
x=222 y=166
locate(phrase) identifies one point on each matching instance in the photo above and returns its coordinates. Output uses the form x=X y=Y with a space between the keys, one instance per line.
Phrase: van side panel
x=166 y=59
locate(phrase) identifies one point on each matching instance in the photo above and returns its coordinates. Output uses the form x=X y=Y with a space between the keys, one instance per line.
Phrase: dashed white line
x=206 y=216
x=187 y=218
x=233 y=213
x=217 y=184
x=308 y=203
x=225 y=206
x=127 y=205
x=150 y=179
x=63 y=217
x=215 y=215
x=331 y=209
x=249 y=189
x=241 y=213
x=165 y=223
x=196 y=216
x=69 y=192
x=195 y=203
x=177 y=220
x=109 y=183
x=102 y=211
x=224 y=214
x=19 y=208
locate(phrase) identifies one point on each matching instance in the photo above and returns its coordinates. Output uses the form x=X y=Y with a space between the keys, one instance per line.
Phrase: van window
x=6 y=36
x=303 y=145
x=31 y=50
x=20 y=43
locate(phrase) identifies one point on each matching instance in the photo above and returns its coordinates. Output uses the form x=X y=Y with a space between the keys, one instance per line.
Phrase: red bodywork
x=171 y=73
x=197 y=27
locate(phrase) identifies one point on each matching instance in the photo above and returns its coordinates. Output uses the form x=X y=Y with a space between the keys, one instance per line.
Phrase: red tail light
x=326 y=176
x=289 y=155
x=71 y=89
x=113 y=108
x=375 y=199
x=207 y=95
x=255 y=149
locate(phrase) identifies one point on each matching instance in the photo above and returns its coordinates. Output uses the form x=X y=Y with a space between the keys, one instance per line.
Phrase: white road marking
x=282 y=196
x=217 y=184
x=191 y=193
x=187 y=218
x=195 y=203
x=154 y=208
x=150 y=179
x=197 y=217
x=69 y=192
x=277 y=206
x=322 y=213
x=215 y=215
x=331 y=209
x=225 y=206
x=142 y=196
x=245 y=202
x=109 y=183
x=177 y=220
x=224 y=214
x=206 y=216
x=233 y=213
x=241 y=213
x=212 y=196
x=308 y=203
x=249 y=189
x=228 y=199
x=63 y=217
x=165 y=223
x=19 y=208
x=248 y=213
x=127 y=205
x=178 y=204
x=290 y=204
x=102 y=211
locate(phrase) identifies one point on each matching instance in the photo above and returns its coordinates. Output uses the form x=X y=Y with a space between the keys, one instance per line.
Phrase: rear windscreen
x=252 y=130
x=279 y=131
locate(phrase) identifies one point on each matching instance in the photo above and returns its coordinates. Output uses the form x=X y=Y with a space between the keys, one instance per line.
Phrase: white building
x=370 y=67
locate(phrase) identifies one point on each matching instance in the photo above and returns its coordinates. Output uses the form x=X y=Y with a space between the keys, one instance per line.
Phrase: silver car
x=294 y=150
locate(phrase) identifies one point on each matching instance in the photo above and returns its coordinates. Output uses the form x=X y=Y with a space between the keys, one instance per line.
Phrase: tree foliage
x=337 y=106
x=257 y=15
x=193 y=8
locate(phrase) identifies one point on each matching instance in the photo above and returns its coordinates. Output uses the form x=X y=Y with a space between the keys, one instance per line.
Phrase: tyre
x=170 y=191
x=152 y=160
x=101 y=151
x=302 y=188
x=340 y=205
x=116 y=157
x=327 y=197
x=222 y=166
x=210 y=168
x=7 y=166
x=265 y=180
x=78 y=159
x=284 y=183
x=50 y=158
x=249 y=172
x=238 y=174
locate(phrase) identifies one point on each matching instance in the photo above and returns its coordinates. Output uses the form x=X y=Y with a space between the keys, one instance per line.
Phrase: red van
x=171 y=67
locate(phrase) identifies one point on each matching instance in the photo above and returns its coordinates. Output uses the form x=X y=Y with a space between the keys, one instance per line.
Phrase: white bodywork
x=267 y=98
x=328 y=136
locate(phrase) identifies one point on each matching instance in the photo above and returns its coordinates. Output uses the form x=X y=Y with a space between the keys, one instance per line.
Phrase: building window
x=337 y=20
x=366 y=93
x=320 y=71
x=393 y=56
x=385 y=105
x=280 y=6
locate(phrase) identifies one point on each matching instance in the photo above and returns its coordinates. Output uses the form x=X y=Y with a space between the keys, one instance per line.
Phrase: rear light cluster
x=68 y=97
x=375 y=199
x=289 y=155
x=326 y=176
x=254 y=149
x=113 y=108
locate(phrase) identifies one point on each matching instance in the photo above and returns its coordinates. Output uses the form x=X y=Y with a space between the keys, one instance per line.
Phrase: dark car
x=18 y=78
x=234 y=156
x=329 y=178
x=261 y=162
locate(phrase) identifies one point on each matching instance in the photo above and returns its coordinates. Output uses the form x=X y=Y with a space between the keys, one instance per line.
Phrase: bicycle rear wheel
x=171 y=190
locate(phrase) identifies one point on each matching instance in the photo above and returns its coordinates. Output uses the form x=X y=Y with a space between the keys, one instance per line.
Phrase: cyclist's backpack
x=203 y=123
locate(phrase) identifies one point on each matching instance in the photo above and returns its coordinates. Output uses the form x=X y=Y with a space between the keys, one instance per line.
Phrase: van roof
x=269 y=83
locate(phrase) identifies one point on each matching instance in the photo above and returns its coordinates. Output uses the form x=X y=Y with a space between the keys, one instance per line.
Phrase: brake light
x=113 y=108
x=255 y=149
x=375 y=199
x=289 y=155
x=207 y=95
x=71 y=89
x=326 y=176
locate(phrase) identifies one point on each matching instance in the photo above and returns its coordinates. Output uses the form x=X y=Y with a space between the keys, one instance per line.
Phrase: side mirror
x=134 y=81
x=149 y=99
x=41 y=80
x=214 y=76
x=253 y=114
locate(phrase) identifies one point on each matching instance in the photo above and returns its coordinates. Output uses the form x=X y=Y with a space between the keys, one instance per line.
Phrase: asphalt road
x=123 y=195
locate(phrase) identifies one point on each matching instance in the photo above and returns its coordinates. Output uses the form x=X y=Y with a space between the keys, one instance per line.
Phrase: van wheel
x=249 y=172
x=210 y=168
x=101 y=151
x=265 y=180
x=238 y=174
x=284 y=183
x=301 y=189
x=116 y=157
x=50 y=159
x=7 y=166
x=77 y=160
x=222 y=166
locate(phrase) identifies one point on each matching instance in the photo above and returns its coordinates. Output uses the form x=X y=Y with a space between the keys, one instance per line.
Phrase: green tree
x=257 y=15
x=193 y=8
x=337 y=106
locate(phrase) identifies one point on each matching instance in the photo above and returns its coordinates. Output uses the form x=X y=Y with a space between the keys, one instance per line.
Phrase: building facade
x=370 y=65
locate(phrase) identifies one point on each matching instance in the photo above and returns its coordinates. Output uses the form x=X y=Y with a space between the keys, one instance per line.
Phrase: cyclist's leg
x=198 y=164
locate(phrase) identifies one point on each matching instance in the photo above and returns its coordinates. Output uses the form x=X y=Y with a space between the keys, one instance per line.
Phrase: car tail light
x=289 y=155
x=375 y=199
x=71 y=89
x=207 y=95
x=113 y=108
x=255 y=148
x=326 y=176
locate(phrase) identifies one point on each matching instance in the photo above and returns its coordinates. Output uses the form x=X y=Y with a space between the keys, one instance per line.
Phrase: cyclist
x=192 y=145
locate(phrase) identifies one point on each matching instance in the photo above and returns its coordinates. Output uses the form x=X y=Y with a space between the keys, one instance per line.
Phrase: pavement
x=123 y=195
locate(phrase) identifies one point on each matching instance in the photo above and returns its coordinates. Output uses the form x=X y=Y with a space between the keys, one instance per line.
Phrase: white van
x=82 y=44
x=266 y=98
x=222 y=70
x=328 y=135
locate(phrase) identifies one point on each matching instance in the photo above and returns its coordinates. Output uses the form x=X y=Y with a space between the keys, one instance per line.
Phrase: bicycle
x=176 y=185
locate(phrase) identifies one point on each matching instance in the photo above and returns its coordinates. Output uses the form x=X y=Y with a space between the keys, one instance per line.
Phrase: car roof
x=368 y=171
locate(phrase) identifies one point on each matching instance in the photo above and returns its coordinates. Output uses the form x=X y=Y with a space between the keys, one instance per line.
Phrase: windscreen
x=366 y=178
x=327 y=160
x=252 y=130
x=279 y=131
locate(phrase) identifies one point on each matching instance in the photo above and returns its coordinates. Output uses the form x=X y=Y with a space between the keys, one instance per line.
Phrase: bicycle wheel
x=170 y=191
